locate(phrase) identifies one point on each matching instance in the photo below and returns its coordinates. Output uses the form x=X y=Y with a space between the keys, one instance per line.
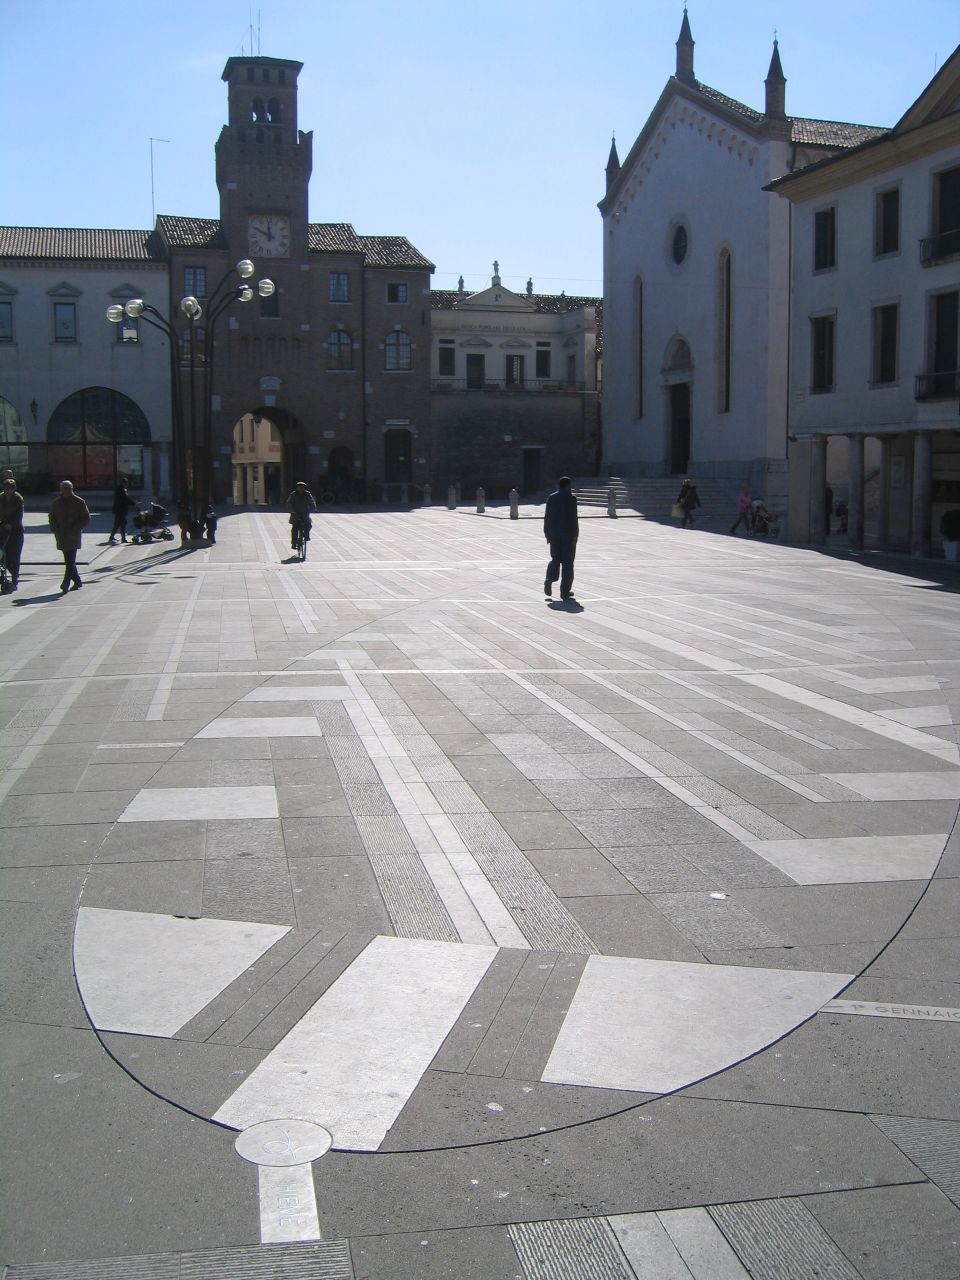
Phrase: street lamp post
x=195 y=489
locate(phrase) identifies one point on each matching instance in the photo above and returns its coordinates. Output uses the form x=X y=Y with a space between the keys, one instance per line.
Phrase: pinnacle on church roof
x=685 y=43
x=613 y=160
x=775 y=84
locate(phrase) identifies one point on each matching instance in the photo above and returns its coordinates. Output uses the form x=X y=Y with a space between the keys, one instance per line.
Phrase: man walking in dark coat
x=561 y=528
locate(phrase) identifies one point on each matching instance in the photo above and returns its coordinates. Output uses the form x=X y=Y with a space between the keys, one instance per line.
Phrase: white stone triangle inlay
x=150 y=974
x=657 y=1025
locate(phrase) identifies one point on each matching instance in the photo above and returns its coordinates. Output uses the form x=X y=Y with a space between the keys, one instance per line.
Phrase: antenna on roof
x=153 y=203
x=259 y=50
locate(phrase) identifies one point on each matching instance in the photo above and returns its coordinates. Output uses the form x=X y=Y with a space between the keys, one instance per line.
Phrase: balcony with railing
x=501 y=385
x=938 y=386
x=940 y=248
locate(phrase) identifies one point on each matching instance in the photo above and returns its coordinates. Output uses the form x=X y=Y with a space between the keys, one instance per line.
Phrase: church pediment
x=496 y=298
x=683 y=110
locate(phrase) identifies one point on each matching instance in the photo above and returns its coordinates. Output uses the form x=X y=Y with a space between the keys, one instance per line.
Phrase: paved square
x=388 y=843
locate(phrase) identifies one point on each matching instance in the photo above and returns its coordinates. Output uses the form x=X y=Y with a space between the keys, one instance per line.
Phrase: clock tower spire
x=263 y=160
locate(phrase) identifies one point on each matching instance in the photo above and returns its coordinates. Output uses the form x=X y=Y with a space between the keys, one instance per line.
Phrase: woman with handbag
x=687 y=501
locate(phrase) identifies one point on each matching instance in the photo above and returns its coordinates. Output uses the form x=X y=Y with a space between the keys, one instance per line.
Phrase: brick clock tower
x=263 y=162
x=328 y=379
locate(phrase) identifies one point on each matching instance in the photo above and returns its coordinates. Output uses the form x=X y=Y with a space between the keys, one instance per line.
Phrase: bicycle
x=300 y=539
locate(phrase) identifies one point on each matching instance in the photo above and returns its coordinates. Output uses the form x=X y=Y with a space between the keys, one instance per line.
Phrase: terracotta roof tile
x=731 y=103
x=190 y=233
x=78 y=243
x=832 y=133
x=332 y=237
x=393 y=251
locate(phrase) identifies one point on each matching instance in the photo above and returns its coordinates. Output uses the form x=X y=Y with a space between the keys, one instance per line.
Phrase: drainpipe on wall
x=363 y=379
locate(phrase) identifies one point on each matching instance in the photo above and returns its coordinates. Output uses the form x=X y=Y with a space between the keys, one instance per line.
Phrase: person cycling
x=300 y=502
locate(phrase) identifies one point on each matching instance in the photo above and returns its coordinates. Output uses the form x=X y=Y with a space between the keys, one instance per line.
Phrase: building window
x=447 y=358
x=95 y=436
x=339 y=290
x=396 y=292
x=514 y=371
x=823 y=342
x=195 y=282
x=887 y=222
x=638 y=345
x=6 y=321
x=942 y=382
x=825 y=239
x=339 y=350
x=725 y=329
x=64 y=322
x=270 y=306
x=885 y=335
x=397 y=351
x=947 y=207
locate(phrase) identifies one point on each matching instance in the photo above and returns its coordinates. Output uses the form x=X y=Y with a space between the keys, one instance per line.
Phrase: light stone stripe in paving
x=537 y=911
x=298 y=693
x=162 y=693
x=780 y=1239
x=454 y=894
x=902 y=734
x=410 y=896
x=676 y=1244
x=853 y=859
x=921 y=717
x=902 y=786
x=262 y=727
x=150 y=974
x=652 y=1026
x=569 y=1249
x=932 y=1145
x=288 y=1203
x=875 y=1009
x=183 y=804
x=354 y=1059
x=496 y=918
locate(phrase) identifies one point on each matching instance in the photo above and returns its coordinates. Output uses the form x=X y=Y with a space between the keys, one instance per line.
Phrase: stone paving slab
x=759 y=787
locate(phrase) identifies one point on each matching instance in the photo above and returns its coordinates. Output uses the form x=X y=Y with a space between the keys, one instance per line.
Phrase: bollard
x=612 y=504
x=427 y=495
x=514 y=505
x=452 y=498
x=481 y=501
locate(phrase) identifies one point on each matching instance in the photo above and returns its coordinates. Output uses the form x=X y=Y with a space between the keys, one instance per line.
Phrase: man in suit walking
x=561 y=528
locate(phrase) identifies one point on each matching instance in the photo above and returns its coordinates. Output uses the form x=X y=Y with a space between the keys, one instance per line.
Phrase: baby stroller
x=764 y=524
x=151 y=524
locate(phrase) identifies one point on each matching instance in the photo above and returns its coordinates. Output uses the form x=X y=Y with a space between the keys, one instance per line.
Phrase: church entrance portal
x=679 y=427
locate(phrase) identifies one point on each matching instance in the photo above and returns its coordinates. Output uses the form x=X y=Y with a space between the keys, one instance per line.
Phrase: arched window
x=13 y=439
x=258 y=112
x=339 y=350
x=96 y=435
x=273 y=111
x=724 y=330
x=397 y=351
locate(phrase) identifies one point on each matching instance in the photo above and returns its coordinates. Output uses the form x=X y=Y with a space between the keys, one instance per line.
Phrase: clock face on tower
x=268 y=235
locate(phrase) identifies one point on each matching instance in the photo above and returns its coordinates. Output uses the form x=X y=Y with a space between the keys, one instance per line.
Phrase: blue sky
x=477 y=131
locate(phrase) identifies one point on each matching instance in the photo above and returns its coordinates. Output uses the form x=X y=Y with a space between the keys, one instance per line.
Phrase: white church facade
x=696 y=283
